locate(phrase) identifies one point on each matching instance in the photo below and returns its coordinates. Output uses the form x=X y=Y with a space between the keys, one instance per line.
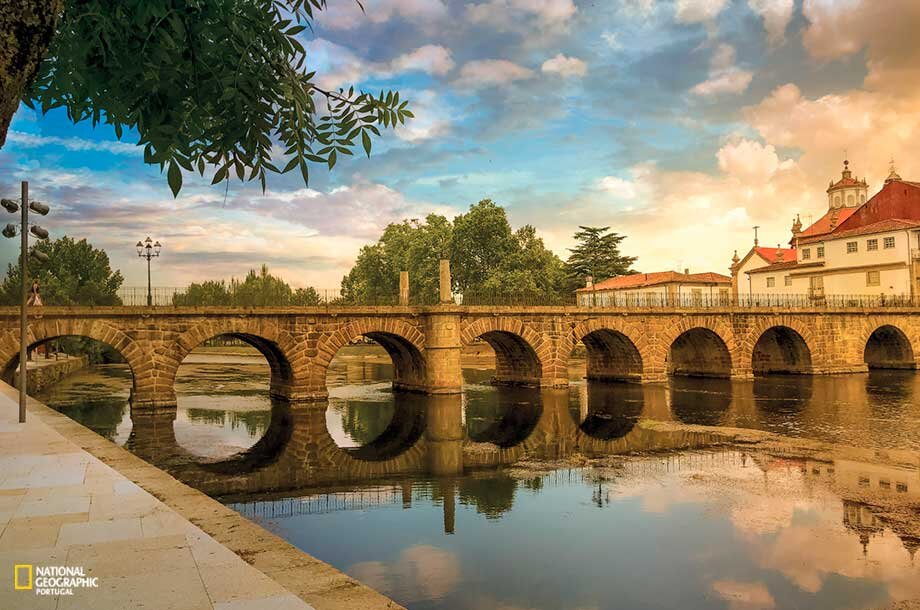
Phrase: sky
x=679 y=123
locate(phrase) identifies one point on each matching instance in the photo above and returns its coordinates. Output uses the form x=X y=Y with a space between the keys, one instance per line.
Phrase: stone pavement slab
x=61 y=506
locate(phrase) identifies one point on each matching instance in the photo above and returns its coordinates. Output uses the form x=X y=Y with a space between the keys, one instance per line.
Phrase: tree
x=597 y=254
x=206 y=84
x=258 y=288
x=481 y=241
x=487 y=258
x=76 y=273
x=411 y=245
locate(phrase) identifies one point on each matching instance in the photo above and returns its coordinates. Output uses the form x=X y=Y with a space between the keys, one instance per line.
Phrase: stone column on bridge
x=445 y=291
x=403 y=287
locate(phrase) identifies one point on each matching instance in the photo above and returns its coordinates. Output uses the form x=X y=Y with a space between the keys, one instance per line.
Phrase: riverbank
x=69 y=497
x=43 y=372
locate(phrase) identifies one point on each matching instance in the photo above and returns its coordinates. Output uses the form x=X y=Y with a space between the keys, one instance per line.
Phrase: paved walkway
x=61 y=506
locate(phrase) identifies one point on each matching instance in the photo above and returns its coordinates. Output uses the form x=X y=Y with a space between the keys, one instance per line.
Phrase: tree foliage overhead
x=597 y=254
x=258 y=288
x=486 y=257
x=209 y=85
x=76 y=273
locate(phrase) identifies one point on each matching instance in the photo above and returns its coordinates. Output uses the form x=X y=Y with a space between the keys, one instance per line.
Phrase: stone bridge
x=532 y=345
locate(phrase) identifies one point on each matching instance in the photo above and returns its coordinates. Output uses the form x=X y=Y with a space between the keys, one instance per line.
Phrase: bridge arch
x=403 y=342
x=889 y=347
x=784 y=347
x=700 y=349
x=41 y=331
x=616 y=349
x=276 y=346
x=520 y=352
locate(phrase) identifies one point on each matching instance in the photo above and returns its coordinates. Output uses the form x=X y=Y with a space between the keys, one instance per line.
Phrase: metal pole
x=23 y=320
x=149 y=293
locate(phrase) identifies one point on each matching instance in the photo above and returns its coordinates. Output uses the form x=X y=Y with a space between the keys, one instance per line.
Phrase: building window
x=873 y=278
x=806 y=254
x=771 y=282
x=889 y=242
x=788 y=280
x=872 y=244
x=852 y=247
x=820 y=251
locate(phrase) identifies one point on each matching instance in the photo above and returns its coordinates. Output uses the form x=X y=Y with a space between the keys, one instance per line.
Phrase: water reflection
x=607 y=411
x=764 y=529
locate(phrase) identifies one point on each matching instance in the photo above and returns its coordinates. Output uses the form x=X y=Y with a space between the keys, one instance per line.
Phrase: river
x=696 y=527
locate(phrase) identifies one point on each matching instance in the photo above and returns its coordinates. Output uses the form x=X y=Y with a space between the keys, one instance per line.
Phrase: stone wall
x=46 y=373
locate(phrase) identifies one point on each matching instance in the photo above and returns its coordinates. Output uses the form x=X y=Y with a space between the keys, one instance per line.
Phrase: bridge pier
x=443 y=371
x=444 y=436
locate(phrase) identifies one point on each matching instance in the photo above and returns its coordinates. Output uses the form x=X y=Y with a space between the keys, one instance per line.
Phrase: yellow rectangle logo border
x=16 y=570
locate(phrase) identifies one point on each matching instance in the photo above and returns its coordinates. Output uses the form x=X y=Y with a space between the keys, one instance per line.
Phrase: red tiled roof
x=882 y=226
x=769 y=254
x=844 y=182
x=784 y=265
x=823 y=224
x=641 y=280
x=898 y=204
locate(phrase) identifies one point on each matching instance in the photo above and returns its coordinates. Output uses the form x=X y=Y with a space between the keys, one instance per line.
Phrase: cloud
x=776 y=15
x=874 y=126
x=725 y=78
x=637 y=8
x=338 y=66
x=432 y=117
x=565 y=66
x=744 y=595
x=491 y=73
x=750 y=160
x=886 y=30
x=348 y=15
x=30 y=140
x=421 y=572
x=432 y=59
x=697 y=11
x=612 y=39
x=503 y=14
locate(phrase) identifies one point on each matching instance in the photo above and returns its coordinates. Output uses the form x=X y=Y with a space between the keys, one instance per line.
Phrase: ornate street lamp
x=148 y=249
x=10 y=231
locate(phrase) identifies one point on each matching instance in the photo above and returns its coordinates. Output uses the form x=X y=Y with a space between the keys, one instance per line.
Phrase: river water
x=695 y=527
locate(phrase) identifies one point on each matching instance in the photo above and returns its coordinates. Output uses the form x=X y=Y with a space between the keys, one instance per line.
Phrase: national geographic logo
x=52 y=580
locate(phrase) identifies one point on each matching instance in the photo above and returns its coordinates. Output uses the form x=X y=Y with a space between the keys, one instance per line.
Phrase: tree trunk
x=26 y=30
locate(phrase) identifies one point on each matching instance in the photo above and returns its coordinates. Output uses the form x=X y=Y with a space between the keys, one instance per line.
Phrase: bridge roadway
x=532 y=344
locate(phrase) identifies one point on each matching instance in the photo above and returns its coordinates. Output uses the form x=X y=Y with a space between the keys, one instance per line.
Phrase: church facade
x=861 y=247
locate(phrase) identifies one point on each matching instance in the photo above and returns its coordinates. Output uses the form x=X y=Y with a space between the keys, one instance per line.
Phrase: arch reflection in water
x=224 y=392
x=703 y=401
x=607 y=411
x=503 y=416
x=783 y=394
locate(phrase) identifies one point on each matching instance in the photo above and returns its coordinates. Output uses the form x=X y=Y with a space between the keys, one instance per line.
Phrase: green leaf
x=174 y=178
x=366 y=142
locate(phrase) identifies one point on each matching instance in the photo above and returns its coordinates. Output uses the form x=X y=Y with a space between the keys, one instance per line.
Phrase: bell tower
x=848 y=192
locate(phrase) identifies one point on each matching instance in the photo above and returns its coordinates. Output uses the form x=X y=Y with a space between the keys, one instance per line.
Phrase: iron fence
x=333 y=297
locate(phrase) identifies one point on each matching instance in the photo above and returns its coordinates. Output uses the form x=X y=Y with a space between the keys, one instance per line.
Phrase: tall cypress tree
x=597 y=254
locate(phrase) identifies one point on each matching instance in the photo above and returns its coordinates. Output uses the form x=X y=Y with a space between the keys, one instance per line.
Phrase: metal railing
x=332 y=297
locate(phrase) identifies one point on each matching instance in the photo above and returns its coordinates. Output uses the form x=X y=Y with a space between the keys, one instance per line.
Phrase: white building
x=859 y=249
x=657 y=289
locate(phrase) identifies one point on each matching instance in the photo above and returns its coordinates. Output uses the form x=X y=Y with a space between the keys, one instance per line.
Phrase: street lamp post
x=10 y=231
x=148 y=249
